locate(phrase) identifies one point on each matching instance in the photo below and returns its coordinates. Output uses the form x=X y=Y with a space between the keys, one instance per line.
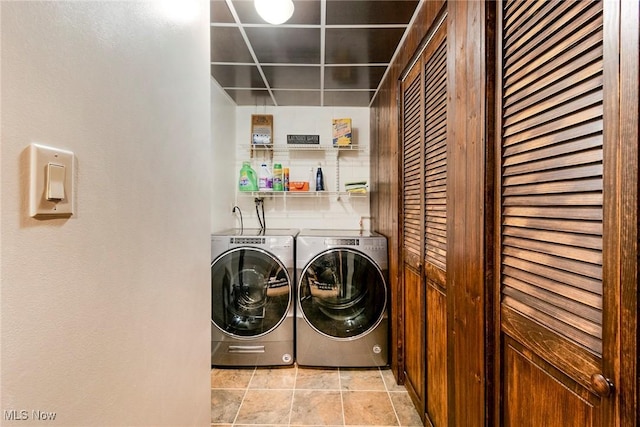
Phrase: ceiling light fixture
x=275 y=12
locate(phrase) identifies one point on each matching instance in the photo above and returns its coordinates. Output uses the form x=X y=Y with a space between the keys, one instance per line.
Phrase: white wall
x=225 y=175
x=105 y=316
x=309 y=212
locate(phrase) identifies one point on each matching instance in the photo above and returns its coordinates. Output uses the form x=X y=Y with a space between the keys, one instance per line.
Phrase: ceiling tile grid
x=330 y=53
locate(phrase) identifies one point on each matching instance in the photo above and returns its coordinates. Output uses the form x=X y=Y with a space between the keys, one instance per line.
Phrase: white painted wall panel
x=224 y=173
x=105 y=316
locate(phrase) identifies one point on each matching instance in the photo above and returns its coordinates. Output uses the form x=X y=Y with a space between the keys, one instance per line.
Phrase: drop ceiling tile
x=343 y=12
x=238 y=76
x=285 y=45
x=297 y=97
x=292 y=77
x=305 y=12
x=361 y=45
x=227 y=45
x=346 y=77
x=296 y=49
x=347 y=98
x=250 y=97
x=220 y=12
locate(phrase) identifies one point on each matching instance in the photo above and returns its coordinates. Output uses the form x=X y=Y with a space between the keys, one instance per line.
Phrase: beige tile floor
x=297 y=396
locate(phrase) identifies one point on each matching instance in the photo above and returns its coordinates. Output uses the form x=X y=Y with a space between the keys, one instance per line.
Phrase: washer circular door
x=250 y=292
x=342 y=293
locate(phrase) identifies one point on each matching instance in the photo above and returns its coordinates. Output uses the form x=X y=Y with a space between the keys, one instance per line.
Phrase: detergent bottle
x=278 y=184
x=319 y=179
x=248 y=178
x=265 y=180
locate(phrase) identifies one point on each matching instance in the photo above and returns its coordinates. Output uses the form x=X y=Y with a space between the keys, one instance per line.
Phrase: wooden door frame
x=470 y=298
x=628 y=405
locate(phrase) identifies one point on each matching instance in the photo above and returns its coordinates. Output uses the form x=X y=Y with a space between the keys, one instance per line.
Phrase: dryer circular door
x=250 y=292
x=342 y=293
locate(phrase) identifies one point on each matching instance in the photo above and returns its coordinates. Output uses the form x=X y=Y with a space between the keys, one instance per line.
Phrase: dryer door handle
x=246 y=349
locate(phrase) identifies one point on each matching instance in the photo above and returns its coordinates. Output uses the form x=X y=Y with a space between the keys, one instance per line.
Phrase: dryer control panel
x=247 y=240
x=342 y=242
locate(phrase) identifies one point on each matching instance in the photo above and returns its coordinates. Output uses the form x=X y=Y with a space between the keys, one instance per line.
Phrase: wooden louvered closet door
x=412 y=232
x=552 y=294
x=424 y=228
x=435 y=230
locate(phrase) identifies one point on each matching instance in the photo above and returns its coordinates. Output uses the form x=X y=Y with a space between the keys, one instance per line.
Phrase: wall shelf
x=281 y=148
x=301 y=194
x=331 y=155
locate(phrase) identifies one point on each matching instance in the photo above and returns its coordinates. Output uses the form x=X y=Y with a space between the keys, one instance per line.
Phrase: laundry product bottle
x=265 y=179
x=285 y=179
x=319 y=179
x=248 y=178
x=277 y=177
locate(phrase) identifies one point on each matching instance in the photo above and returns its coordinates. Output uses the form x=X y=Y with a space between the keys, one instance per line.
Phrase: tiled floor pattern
x=296 y=396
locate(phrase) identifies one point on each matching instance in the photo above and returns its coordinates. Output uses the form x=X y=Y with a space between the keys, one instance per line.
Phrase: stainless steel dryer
x=252 y=305
x=342 y=317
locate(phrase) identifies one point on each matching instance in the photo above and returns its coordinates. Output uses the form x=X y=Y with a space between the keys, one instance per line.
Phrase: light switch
x=55 y=182
x=51 y=182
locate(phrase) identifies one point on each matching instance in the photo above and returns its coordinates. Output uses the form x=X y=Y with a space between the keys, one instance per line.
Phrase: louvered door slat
x=567 y=303
x=581 y=213
x=566 y=24
x=548 y=86
x=559 y=313
x=552 y=167
x=439 y=152
x=549 y=112
x=585 y=81
x=522 y=153
x=585 y=52
x=439 y=238
x=556 y=249
x=576 y=335
x=562 y=123
x=569 y=201
x=436 y=87
x=555 y=175
x=412 y=170
x=573 y=186
x=535 y=12
x=546 y=47
x=568 y=263
x=539 y=283
x=518 y=13
x=572 y=239
x=564 y=278
x=538 y=222
x=435 y=157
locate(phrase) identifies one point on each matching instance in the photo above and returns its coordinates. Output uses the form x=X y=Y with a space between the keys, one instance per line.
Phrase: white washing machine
x=342 y=317
x=252 y=297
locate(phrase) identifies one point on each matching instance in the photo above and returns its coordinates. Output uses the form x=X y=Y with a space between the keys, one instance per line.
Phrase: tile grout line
x=393 y=406
x=293 y=395
x=246 y=390
x=344 y=420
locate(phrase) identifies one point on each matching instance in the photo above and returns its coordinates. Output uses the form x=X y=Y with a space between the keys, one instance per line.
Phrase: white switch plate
x=39 y=158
